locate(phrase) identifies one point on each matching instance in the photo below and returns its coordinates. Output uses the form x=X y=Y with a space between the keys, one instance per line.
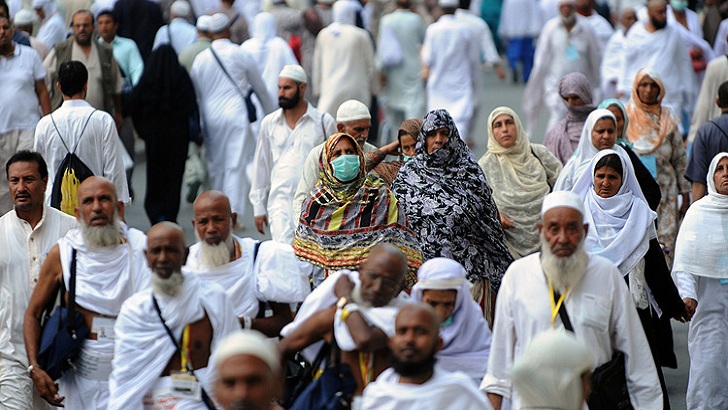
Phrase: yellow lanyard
x=555 y=305
x=366 y=367
x=185 y=351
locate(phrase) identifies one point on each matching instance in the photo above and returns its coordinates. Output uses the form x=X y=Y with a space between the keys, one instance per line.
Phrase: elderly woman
x=521 y=174
x=702 y=276
x=654 y=134
x=622 y=229
x=449 y=206
x=348 y=212
x=406 y=136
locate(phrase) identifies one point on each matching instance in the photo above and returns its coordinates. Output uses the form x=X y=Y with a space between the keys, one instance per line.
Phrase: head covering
x=294 y=72
x=701 y=241
x=23 y=17
x=620 y=227
x=203 y=23
x=247 y=342
x=264 y=26
x=218 y=23
x=346 y=11
x=548 y=373
x=48 y=6
x=180 y=8
x=466 y=341
x=519 y=181
x=341 y=221
x=565 y=134
x=410 y=127
x=352 y=110
x=449 y=204
x=452 y=4
x=562 y=199
x=649 y=124
x=612 y=102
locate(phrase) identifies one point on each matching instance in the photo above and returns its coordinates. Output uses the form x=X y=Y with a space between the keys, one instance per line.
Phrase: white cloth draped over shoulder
x=323 y=297
x=466 y=342
x=612 y=64
x=143 y=348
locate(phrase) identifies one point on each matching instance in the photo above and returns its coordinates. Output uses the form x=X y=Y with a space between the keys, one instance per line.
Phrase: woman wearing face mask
x=521 y=174
x=622 y=229
x=348 y=212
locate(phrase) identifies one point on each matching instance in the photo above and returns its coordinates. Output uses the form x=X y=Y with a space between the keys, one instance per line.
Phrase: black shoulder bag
x=609 y=381
x=551 y=187
x=248 y=98
x=63 y=333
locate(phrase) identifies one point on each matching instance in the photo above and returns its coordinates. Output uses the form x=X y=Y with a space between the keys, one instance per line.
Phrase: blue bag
x=333 y=390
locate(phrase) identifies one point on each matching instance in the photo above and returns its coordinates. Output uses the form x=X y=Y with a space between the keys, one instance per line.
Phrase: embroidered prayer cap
x=248 y=342
x=295 y=72
x=352 y=110
x=203 y=23
x=450 y=4
x=559 y=199
x=180 y=8
x=24 y=17
x=218 y=22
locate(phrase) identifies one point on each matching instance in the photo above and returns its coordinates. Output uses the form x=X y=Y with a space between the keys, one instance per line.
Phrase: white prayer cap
x=452 y=4
x=180 y=8
x=558 y=199
x=548 y=373
x=39 y=3
x=218 y=22
x=295 y=72
x=248 y=342
x=203 y=23
x=352 y=110
x=440 y=273
x=24 y=17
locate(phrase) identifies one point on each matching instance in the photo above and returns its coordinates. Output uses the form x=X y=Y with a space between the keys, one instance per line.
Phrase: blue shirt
x=127 y=57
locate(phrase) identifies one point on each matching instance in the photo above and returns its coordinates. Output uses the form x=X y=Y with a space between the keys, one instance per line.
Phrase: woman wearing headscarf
x=622 y=229
x=653 y=131
x=406 y=136
x=449 y=206
x=701 y=271
x=53 y=28
x=563 y=138
x=348 y=212
x=521 y=174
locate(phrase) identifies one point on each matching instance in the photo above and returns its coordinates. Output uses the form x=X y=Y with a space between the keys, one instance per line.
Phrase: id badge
x=103 y=327
x=724 y=281
x=572 y=54
x=650 y=162
x=185 y=386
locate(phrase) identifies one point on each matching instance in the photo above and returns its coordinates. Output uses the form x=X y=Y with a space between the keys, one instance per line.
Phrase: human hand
x=690 y=306
x=506 y=222
x=343 y=287
x=46 y=388
x=261 y=222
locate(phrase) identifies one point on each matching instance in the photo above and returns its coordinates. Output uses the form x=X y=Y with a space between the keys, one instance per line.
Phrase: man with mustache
x=110 y=267
x=592 y=291
x=150 y=369
x=286 y=136
x=27 y=233
x=252 y=273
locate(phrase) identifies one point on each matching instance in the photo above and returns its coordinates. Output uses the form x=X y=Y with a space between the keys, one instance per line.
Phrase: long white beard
x=563 y=272
x=102 y=236
x=172 y=286
x=212 y=256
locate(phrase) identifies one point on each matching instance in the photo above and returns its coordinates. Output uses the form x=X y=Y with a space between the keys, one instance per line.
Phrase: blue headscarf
x=622 y=140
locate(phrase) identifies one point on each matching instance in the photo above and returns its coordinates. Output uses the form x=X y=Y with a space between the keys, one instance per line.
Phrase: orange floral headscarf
x=651 y=120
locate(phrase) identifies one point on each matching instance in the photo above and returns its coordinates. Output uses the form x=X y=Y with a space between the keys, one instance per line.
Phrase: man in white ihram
x=593 y=293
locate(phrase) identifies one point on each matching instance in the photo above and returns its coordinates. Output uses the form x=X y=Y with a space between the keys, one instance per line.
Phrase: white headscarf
x=621 y=226
x=345 y=11
x=701 y=242
x=466 y=341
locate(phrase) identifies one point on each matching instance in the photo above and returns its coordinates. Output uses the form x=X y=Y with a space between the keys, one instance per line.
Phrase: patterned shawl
x=340 y=222
x=649 y=120
x=449 y=205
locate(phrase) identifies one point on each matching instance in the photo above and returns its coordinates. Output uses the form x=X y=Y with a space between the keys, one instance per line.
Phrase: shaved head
x=95 y=183
x=391 y=251
x=212 y=198
x=166 y=253
x=416 y=341
x=169 y=230
x=423 y=312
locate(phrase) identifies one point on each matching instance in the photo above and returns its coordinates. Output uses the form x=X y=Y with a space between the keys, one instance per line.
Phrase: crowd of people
x=402 y=272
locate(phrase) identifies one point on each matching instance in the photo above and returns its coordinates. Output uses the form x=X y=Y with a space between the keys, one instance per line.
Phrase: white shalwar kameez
x=105 y=278
x=444 y=390
x=602 y=313
x=452 y=54
x=230 y=143
x=279 y=161
x=144 y=348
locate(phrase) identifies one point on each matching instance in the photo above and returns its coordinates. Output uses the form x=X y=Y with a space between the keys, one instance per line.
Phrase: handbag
x=300 y=374
x=609 y=381
x=248 y=98
x=63 y=333
x=333 y=390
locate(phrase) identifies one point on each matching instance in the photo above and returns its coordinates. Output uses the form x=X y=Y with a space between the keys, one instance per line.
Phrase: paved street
x=497 y=93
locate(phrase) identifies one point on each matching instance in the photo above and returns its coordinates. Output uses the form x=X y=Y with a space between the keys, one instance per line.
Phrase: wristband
x=247 y=322
x=348 y=310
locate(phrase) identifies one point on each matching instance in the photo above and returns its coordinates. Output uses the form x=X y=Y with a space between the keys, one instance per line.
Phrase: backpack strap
x=59 y=134
x=85 y=124
x=722 y=131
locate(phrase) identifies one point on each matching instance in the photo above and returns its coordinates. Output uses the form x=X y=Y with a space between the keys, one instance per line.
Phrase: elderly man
x=28 y=232
x=414 y=381
x=110 y=268
x=592 y=292
x=247 y=372
x=148 y=363
x=441 y=283
x=286 y=137
x=223 y=75
x=355 y=308
x=251 y=272
x=179 y=32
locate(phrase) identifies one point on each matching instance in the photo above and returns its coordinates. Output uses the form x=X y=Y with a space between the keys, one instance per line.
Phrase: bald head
x=214 y=218
x=97 y=202
x=391 y=252
x=166 y=229
x=419 y=313
x=415 y=342
x=382 y=274
x=166 y=254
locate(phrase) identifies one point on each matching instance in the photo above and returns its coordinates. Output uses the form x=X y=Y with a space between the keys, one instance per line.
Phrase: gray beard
x=102 y=236
x=570 y=20
x=212 y=256
x=564 y=272
x=172 y=286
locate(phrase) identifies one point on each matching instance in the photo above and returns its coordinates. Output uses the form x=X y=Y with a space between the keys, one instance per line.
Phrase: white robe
x=601 y=311
x=444 y=390
x=612 y=64
x=520 y=18
x=181 y=32
x=601 y=27
x=720 y=47
x=693 y=19
x=143 y=347
x=52 y=31
x=705 y=106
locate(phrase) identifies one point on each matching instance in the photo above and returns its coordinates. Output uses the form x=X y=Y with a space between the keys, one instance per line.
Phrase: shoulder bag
x=333 y=390
x=247 y=97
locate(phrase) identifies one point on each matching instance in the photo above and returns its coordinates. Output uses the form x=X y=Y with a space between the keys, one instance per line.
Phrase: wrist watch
x=342 y=302
x=31 y=368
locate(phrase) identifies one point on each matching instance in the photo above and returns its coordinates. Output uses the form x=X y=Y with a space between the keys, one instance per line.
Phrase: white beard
x=172 y=286
x=102 y=236
x=212 y=256
x=564 y=272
